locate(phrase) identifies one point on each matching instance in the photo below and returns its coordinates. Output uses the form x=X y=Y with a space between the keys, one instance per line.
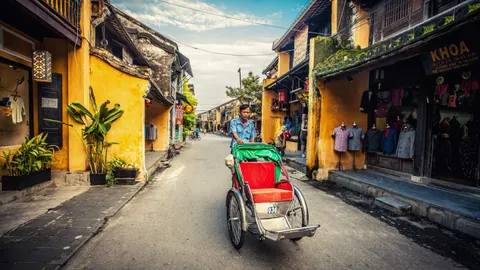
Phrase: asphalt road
x=179 y=222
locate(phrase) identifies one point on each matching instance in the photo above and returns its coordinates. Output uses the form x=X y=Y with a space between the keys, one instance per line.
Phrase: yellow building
x=87 y=46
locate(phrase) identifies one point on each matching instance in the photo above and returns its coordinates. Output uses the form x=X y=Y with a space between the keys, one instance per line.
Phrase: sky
x=212 y=72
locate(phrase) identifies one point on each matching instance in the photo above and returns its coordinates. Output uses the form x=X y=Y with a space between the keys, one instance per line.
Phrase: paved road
x=178 y=222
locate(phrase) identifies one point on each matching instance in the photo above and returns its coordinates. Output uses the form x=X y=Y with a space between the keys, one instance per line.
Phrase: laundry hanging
x=18 y=109
x=152 y=133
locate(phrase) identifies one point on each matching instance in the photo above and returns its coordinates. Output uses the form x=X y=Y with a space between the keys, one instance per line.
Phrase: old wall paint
x=336 y=108
x=116 y=86
x=58 y=48
x=283 y=63
x=271 y=121
x=158 y=115
x=314 y=117
x=362 y=28
x=78 y=85
x=334 y=16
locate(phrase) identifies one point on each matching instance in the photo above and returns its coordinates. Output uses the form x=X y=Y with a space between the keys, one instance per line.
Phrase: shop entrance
x=15 y=104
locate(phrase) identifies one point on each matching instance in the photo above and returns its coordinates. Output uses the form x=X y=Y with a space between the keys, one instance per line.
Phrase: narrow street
x=179 y=222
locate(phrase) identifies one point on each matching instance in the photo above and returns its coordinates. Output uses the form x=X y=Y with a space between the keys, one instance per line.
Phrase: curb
x=444 y=217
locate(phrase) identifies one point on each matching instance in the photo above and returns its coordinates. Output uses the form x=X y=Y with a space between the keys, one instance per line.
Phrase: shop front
x=424 y=112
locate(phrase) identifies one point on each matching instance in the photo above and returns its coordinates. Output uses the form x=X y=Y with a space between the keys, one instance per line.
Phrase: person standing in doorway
x=303 y=134
x=242 y=128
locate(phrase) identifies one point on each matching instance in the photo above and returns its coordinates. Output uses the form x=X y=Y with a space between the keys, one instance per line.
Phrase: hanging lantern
x=42 y=66
x=189 y=109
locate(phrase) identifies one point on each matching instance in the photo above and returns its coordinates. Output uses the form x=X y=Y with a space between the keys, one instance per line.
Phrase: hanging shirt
x=397 y=96
x=341 y=139
x=152 y=133
x=18 y=109
x=355 y=142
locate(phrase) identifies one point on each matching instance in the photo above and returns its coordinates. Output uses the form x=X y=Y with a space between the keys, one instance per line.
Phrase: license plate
x=272 y=209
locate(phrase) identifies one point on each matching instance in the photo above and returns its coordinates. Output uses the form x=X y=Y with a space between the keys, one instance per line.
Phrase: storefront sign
x=451 y=55
x=300 y=46
x=179 y=115
x=50 y=103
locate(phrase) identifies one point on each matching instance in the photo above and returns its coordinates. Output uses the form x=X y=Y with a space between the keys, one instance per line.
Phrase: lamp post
x=240 y=76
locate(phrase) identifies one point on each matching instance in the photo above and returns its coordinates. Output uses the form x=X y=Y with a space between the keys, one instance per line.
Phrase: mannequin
x=452 y=98
x=389 y=140
x=373 y=136
x=355 y=142
x=406 y=140
x=369 y=100
x=341 y=135
x=469 y=85
x=397 y=125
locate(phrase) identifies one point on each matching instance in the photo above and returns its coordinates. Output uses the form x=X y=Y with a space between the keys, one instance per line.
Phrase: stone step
x=126 y=181
x=393 y=205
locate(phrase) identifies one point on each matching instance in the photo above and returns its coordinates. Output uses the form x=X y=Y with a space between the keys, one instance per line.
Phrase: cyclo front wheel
x=234 y=221
x=297 y=216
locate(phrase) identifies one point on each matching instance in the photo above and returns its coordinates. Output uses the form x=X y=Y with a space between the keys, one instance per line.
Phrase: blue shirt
x=288 y=125
x=245 y=133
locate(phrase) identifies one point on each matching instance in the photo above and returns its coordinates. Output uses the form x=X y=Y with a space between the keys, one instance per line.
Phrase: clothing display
x=397 y=97
x=369 y=102
x=389 y=141
x=381 y=123
x=355 y=142
x=341 y=135
x=469 y=86
x=406 y=143
x=18 y=109
x=441 y=94
x=152 y=133
x=371 y=143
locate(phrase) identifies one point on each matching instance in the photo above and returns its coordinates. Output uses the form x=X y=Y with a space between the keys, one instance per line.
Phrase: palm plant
x=96 y=125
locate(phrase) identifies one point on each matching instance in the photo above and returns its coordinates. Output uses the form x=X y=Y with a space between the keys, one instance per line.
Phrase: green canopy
x=248 y=151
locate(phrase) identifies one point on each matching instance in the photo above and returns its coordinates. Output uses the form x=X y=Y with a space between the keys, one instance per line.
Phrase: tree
x=189 y=118
x=250 y=93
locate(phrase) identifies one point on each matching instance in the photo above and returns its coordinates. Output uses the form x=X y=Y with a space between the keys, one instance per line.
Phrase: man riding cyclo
x=242 y=128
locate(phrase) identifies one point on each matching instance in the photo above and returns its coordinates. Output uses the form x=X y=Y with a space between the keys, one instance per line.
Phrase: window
x=15 y=44
x=395 y=11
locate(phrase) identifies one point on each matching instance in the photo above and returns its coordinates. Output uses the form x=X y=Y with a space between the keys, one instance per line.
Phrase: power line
x=237 y=19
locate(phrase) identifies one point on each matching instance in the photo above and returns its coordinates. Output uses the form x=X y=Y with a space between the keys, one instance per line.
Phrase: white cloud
x=214 y=72
x=159 y=13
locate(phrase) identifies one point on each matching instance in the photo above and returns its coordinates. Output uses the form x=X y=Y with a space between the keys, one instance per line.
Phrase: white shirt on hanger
x=18 y=107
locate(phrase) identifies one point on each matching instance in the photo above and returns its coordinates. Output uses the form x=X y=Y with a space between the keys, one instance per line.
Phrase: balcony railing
x=69 y=10
x=392 y=16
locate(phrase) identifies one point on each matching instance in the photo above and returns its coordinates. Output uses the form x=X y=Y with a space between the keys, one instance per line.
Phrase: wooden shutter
x=50 y=107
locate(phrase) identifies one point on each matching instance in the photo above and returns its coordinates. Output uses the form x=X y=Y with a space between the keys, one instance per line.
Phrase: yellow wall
x=271 y=121
x=336 y=108
x=158 y=115
x=111 y=84
x=334 y=16
x=283 y=63
x=78 y=85
x=362 y=28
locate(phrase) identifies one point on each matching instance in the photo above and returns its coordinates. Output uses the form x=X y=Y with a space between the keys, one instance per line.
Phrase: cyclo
x=262 y=199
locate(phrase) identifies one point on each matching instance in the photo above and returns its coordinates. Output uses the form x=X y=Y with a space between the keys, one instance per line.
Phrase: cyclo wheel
x=234 y=221
x=296 y=217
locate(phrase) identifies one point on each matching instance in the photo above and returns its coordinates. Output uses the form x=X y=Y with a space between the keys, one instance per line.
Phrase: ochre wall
x=158 y=115
x=58 y=48
x=362 y=28
x=111 y=84
x=283 y=63
x=340 y=103
x=271 y=121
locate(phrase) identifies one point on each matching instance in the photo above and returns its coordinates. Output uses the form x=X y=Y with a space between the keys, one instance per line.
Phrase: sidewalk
x=49 y=240
x=296 y=161
x=455 y=210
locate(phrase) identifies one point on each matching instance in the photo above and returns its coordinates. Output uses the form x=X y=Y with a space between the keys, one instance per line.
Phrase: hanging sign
x=179 y=115
x=450 y=54
x=300 y=46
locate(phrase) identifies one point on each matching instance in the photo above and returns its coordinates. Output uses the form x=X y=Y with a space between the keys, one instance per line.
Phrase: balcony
x=68 y=10
x=392 y=16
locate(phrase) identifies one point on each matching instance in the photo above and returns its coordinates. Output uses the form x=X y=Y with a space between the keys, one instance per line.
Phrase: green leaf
x=94 y=102
x=82 y=109
x=113 y=117
x=75 y=115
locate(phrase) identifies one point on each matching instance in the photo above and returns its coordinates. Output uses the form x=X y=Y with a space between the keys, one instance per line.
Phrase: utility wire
x=237 y=19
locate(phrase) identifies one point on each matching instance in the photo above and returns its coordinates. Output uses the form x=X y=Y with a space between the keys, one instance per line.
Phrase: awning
x=157 y=95
x=185 y=63
x=183 y=98
x=284 y=81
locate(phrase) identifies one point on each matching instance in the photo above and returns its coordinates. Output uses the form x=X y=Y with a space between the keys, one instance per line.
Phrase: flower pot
x=25 y=181
x=98 y=179
x=125 y=173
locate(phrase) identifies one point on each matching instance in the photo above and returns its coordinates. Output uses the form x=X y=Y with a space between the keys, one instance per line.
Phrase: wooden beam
x=57 y=24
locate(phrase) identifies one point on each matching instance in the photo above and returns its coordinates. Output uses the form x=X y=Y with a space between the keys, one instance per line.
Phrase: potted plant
x=96 y=125
x=30 y=165
x=121 y=169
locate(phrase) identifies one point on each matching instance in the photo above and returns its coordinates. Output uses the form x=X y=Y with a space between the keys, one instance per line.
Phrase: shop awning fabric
x=405 y=45
x=183 y=98
x=185 y=63
x=284 y=81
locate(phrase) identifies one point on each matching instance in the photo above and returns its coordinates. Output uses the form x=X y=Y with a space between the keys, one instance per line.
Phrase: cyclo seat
x=260 y=176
